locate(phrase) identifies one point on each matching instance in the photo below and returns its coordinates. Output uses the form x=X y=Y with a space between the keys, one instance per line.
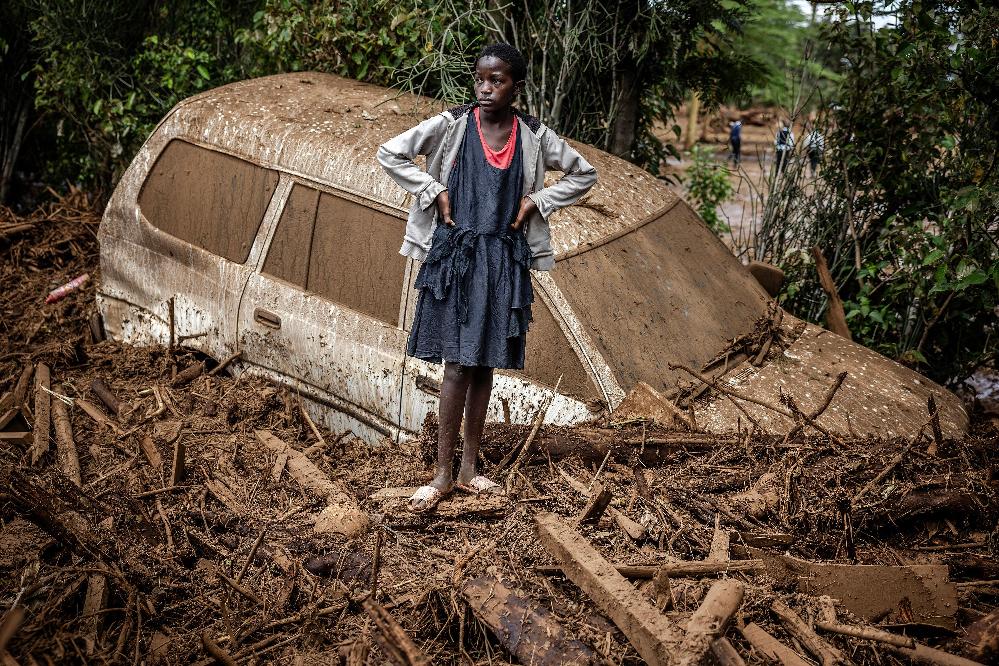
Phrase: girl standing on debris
x=479 y=222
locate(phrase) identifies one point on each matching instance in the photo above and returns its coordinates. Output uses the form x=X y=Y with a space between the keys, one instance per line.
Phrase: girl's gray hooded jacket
x=439 y=138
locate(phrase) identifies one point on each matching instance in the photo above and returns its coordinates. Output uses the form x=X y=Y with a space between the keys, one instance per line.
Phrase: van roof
x=328 y=128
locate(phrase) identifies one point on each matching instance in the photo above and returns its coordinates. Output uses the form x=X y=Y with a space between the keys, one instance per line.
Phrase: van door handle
x=267 y=318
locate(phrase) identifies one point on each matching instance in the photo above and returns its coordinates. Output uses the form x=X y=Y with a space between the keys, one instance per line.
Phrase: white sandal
x=480 y=485
x=426 y=498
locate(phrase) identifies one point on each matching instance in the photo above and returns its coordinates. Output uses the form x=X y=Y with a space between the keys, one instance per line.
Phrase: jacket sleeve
x=578 y=175
x=397 y=154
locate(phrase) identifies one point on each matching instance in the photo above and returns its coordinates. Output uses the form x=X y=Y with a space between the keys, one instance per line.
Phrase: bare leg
x=476 y=402
x=452 y=404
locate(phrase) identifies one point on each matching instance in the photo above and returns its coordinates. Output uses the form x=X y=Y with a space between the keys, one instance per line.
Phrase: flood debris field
x=156 y=507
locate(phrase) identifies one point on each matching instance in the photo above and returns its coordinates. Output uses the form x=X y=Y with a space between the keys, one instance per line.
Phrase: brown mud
x=187 y=541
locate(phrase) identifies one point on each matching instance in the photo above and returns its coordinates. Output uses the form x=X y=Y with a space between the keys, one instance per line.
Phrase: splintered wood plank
x=719 y=544
x=651 y=633
x=43 y=404
x=278 y=468
x=600 y=497
x=69 y=460
x=178 y=471
x=530 y=633
x=152 y=454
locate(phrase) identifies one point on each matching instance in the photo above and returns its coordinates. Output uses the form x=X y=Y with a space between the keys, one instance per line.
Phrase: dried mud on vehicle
x=254 y=220
x=170 y=512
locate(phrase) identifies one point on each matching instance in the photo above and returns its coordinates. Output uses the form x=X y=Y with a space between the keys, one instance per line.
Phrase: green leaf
x=203 y=71
x=933 y=257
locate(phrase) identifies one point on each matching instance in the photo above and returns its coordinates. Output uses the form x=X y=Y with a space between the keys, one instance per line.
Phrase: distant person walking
x=815 y=146
x=735 y=138
x=783 y=145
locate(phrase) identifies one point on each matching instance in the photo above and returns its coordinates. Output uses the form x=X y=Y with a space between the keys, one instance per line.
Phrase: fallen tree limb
x=770 y=647
x=866 y=633
x=675 y=569
x=69 y=460
x=393 y=639
x=796 y=627
x=726 y=655
x=709 y=621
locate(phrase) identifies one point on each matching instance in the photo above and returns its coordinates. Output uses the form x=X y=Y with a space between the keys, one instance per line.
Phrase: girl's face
x=495 y=88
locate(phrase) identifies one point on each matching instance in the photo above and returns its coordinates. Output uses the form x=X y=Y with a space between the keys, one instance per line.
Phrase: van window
x=288 y=255
x=209 y=199
x=355 y=257
x=341 y=250
x=549 y=355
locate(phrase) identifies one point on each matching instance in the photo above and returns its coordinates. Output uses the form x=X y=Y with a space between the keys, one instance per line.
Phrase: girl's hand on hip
x=444 y=206
x=527 y=208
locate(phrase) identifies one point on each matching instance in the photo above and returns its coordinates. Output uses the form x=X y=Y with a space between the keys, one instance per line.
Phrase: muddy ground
x=138 y=563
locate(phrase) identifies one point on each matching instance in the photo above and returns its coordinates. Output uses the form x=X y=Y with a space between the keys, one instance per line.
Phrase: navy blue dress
x=475 y=298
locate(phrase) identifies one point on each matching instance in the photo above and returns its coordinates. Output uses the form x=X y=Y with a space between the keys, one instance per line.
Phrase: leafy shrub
x=906 y=207
x=708 y=185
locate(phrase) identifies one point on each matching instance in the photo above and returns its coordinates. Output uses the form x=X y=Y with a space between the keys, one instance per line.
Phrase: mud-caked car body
x=256 y=220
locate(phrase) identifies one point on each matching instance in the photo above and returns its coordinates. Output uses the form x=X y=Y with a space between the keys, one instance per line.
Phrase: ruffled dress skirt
x=474 y=306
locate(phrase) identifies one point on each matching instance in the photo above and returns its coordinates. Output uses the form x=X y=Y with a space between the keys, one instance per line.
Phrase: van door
x=322 y=312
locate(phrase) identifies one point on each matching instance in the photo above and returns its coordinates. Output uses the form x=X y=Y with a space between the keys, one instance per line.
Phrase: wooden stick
x=866 y=633
x=539 y=419
x=817 y=412
x=675 y=569
x=799 y=629
x=21 y=388
x=43 y=405
x=770 y=647
x=213 y=649
x=224 y=364
x=246 y=592
x=376 y=559
x=709 y=621
x=94 y=412
x=924 y=654
x=634 y=530
x=253 y=551
x=726 y=655
x=393 y=638
x=836 y=317
x=885 y=472
x=105 y=395
x=312 y=426
x=69 y=461
x=931 y=407
x=188 y=374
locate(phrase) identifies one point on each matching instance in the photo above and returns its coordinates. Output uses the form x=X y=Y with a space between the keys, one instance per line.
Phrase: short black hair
x=508 y=54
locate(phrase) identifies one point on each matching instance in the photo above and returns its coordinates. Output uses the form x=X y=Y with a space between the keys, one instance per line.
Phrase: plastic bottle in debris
x=60 y=292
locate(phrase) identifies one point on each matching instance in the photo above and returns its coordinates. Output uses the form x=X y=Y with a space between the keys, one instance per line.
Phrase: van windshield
x=666 y=292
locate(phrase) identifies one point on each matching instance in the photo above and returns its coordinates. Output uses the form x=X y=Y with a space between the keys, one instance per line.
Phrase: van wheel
x=97 y=333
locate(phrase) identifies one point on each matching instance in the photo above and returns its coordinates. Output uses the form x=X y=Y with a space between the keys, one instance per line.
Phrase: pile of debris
x=159 y=507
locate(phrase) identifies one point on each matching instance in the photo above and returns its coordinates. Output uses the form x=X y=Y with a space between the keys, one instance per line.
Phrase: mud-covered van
x=256 y=219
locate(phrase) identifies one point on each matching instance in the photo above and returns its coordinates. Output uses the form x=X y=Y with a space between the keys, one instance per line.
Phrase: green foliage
x=709 y=186
x=906 y=208
x=108 y=72
x=364 y=40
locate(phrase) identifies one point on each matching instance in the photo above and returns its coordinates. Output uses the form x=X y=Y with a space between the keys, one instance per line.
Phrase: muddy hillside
x=157 y=507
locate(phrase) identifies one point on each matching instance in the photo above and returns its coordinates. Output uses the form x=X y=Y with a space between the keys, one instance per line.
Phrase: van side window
x=288 y=256
x=355 y=258
x=549 y=356
x=207 y=198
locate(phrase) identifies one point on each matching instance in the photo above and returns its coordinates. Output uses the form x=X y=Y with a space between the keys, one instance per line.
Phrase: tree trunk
x=693 y=120
x=625 y=122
